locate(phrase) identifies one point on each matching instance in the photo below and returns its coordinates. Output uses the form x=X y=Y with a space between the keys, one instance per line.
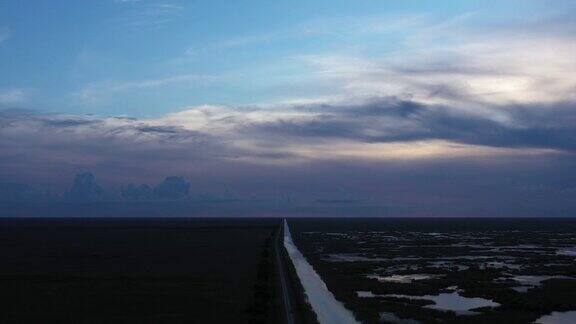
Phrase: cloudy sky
x=448 y=107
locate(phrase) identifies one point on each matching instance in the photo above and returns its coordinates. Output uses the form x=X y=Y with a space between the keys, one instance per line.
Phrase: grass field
x=130 y=270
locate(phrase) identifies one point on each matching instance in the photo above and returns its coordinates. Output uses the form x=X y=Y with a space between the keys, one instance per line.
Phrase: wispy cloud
x=188 y=56
x=483 y=94
x=153 y=15
x=5 y=34
x=457 y=92
x=330 y=27
x=478 y=71
x=107 y=88
x=13 y=95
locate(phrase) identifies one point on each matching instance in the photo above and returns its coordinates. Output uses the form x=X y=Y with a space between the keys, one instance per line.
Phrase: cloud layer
x=387 y=151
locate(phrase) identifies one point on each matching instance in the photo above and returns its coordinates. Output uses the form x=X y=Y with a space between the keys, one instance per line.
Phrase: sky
x=452 y=107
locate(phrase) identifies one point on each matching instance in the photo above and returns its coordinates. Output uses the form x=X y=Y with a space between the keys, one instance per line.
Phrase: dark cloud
x=159 y=129
x=321 y=127
x=546 y=126
x=69 y=122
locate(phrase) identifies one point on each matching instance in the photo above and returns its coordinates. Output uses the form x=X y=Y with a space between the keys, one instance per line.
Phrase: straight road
x=286 y=292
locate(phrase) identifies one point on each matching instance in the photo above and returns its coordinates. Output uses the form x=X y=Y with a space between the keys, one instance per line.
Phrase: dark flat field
x=130 y=270
x=445 y=270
